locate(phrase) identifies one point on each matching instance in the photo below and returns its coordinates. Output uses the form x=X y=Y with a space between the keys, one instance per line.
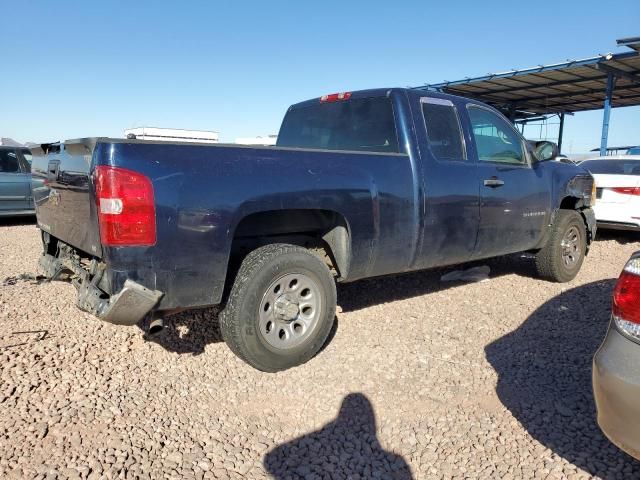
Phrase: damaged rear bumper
x=127 y=307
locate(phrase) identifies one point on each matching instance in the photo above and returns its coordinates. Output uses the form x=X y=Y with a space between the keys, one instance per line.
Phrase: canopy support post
x=561 y=132
x=611 y=80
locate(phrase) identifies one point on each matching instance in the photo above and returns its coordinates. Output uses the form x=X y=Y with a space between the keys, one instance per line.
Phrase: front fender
x=579 y=187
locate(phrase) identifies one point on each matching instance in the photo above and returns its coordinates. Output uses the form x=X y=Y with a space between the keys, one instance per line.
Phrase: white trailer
x=260 y=140
x=172 y=134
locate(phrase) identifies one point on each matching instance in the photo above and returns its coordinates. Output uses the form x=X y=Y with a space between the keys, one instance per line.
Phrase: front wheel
x=281 y=307
x=561 y=258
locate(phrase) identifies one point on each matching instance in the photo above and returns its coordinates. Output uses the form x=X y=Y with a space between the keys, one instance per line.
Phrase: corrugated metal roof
x=631 y=42
x=571 y=86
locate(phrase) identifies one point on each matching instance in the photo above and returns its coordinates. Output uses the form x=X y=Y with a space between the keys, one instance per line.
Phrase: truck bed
x=203 y=191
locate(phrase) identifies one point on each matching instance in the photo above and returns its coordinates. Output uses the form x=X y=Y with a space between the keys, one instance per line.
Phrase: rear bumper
x=617 y=216
x=609 y=225
x=16 y=213
x=616 y=388
x=127 y=307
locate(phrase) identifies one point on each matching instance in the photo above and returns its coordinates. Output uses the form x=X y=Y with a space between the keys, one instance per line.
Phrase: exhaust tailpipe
x=156 y=326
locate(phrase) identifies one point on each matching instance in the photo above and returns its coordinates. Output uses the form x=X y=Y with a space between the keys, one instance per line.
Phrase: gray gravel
x=421 y=379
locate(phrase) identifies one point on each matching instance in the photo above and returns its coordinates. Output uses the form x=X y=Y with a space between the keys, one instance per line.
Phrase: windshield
x=612 y=167
x=633 y=151
x=26 y=153
x=364 y=124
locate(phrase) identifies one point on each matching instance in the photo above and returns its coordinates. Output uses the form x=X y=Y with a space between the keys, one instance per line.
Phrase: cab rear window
x=362 y=124
x=9 y=162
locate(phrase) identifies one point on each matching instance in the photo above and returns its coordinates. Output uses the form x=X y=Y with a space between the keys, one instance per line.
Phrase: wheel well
x=570 y=203
x=324 y=232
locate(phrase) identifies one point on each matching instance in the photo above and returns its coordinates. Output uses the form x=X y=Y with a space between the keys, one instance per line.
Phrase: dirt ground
x=420 y=379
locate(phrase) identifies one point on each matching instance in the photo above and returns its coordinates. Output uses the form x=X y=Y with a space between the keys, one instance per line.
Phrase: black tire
x=240 y=321
x=553 y=262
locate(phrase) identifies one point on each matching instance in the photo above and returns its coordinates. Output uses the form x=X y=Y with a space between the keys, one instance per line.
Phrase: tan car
x=616 y=365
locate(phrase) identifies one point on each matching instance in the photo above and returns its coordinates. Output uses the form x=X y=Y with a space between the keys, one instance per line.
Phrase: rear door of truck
x=62 y=189
x=451 y=208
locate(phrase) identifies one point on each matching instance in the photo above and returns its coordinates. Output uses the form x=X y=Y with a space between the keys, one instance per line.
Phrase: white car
x=617 y=181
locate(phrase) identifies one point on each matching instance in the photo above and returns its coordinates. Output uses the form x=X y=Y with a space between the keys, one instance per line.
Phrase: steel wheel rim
x=289 y=310
x=570 y=245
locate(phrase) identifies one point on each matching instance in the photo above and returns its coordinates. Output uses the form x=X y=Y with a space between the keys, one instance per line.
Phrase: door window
x=9 y=162
x=496 y=140
x=443 y=129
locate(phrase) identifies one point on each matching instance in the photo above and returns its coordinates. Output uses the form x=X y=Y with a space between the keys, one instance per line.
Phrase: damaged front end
x=126 y=307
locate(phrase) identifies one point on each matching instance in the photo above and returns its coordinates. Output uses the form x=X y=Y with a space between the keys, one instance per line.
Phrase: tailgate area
x=62 y=192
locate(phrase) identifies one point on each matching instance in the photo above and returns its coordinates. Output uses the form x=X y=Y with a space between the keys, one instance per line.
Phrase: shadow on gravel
x=192 y=330
x=16 y=221
x=544 y=378
x=374 y=291
x=188 y=332
x=621 y=236
x=345 y=448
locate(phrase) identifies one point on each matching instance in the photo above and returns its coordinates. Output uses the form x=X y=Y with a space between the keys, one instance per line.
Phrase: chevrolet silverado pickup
x=359 y=184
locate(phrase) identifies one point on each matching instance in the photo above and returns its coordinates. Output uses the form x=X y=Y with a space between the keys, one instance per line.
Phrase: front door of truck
x=451 y=216
x=514 y=198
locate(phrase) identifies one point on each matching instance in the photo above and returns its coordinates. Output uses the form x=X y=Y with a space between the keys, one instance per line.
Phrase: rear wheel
x=281 y=307
x=561 y=258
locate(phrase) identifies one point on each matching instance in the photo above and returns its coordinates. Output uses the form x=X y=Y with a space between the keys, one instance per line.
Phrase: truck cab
x=479 y=188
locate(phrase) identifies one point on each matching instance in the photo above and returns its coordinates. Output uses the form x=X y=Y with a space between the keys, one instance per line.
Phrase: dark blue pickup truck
x=360 y=184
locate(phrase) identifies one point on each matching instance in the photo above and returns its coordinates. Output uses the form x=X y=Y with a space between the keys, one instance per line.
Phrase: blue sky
x=72 y=69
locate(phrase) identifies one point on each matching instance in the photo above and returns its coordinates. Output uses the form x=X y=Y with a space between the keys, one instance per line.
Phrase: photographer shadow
x=347 y=447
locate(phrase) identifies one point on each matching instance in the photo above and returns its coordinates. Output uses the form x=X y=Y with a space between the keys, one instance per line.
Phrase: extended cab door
x=515 y=198
x=451 y=215
x=15 y=183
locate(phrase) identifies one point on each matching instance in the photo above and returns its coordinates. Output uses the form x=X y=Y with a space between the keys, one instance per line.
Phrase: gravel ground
x=420 y=379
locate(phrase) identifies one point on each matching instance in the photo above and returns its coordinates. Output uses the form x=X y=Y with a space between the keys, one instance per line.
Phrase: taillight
x=335 y=97
x=627 y=190
x=126 y=207
x=626 y=299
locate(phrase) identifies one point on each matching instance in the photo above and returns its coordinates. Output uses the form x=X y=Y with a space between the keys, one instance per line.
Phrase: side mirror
x=545 y=150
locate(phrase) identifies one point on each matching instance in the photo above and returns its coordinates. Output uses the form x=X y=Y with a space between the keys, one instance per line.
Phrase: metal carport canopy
x=604 y=81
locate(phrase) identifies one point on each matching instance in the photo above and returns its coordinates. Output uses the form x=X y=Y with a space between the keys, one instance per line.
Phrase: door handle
x=493 y=182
